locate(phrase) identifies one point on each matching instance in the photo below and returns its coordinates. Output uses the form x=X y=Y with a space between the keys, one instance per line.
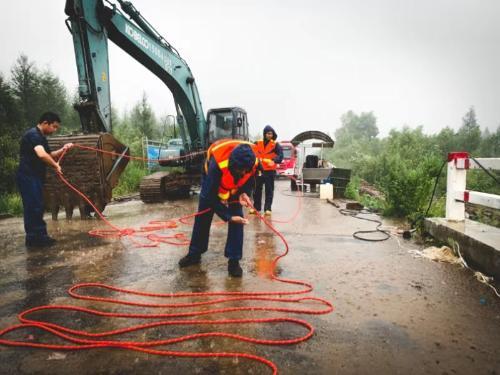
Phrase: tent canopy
x=313 y=134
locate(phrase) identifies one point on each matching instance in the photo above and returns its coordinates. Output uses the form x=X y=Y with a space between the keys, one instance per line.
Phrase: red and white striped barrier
x=456 y=193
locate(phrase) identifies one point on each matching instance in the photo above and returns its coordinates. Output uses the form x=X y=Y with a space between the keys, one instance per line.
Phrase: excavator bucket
x=93 y=173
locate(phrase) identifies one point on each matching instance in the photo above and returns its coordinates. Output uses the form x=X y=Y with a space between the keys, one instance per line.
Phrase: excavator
x=91 y=23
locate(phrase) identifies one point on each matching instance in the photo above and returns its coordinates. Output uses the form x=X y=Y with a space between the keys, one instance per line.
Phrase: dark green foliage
x=405 y=164
x=29 y=92
x=406 y=185
x=11 y=204
x=23 y=98
x=10 y=131
x=130 y=179
x=352 y=188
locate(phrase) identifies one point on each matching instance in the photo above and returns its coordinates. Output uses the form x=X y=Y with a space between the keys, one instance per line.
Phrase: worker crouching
x=226 y=183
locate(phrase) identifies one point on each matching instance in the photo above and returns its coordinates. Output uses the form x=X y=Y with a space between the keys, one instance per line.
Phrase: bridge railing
x=457 y=194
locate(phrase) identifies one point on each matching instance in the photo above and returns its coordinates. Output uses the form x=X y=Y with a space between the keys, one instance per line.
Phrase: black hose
x=487 y=171
x=355 y=213
x=421 y=217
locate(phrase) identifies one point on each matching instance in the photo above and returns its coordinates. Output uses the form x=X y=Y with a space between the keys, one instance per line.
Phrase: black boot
x=189 y=260
x=233 y=268
x=44 y=241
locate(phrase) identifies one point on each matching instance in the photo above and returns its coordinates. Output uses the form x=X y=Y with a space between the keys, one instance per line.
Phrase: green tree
x=355 y=141
x=363 y=126
x=446 y=141
x=143 y=118
x=127 y=133
x=10 y=131
x=469 y=134
x=168 y=126
x=25 y=83
x=9 y=111
x=490 y=144
x=53 y=96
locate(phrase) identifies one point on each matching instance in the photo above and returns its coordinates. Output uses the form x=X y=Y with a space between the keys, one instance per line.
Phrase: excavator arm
x=92 y=23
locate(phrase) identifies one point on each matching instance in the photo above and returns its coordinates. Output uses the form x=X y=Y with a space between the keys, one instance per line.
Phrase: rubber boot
x=44 y=241
x=189 y=260
x=234 y=269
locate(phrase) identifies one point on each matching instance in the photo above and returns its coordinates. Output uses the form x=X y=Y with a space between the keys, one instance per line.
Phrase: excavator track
x=152 y=187
x=160 y=186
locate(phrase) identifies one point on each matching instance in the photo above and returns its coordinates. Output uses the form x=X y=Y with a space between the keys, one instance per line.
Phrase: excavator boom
x=91 y=23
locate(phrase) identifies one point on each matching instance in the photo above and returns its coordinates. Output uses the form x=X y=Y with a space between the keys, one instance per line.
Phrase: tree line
x=27 y=91
x=405 y=164
x=402 y=165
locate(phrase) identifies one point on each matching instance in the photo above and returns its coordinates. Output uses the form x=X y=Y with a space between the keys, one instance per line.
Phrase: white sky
x=298 y=65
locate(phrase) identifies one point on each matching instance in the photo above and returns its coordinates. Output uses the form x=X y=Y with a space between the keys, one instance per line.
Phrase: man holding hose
x=35 y=155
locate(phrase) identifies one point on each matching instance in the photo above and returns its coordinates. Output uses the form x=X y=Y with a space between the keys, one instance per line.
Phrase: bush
x=407 y=188
x=373 y=203
x=11 y=204
x=352 y=188
x=130 y=179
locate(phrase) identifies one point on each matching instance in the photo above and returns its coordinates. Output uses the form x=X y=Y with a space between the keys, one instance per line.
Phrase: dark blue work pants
x=31 y=189
x=267 y=180
x=201 y=232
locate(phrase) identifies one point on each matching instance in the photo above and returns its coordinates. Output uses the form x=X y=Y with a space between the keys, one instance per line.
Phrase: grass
x=11 y=204
x=130 y=180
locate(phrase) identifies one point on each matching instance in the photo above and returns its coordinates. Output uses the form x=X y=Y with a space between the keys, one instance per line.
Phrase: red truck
x=287 y=166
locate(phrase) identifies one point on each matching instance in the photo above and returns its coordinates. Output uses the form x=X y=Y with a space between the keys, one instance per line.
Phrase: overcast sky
x=298 y=65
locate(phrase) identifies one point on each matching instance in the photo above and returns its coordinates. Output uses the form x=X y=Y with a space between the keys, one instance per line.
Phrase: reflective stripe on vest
x=221 y=151
x=267 y=153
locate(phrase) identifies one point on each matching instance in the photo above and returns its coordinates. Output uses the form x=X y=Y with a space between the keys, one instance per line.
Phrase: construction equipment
x=91 y=24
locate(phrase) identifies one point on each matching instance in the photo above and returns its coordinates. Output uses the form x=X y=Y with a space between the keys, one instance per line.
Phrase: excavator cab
x=227 y=123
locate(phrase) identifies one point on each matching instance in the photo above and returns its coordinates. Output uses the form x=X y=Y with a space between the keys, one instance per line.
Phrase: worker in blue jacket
x=270 y=153
x=227 y=182
x=35 y=155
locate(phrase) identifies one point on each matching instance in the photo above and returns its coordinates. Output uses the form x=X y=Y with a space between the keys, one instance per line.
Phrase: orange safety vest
x=220 y=151
x=267 y=154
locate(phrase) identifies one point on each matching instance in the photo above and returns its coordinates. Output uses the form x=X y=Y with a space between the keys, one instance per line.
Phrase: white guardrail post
x=457 y=195
x=458 y=163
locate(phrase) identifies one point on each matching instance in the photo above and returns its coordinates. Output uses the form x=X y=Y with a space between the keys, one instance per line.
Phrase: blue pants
x=31 y=189
x=201 y=232
x=267 y=180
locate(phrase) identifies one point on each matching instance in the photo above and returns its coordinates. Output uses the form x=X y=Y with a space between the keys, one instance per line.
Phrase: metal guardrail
x=456 y=193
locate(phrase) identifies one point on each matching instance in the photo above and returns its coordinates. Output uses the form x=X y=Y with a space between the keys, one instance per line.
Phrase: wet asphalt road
x=394 y=314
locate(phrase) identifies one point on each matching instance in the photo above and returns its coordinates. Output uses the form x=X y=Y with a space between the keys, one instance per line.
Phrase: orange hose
x=84 y=340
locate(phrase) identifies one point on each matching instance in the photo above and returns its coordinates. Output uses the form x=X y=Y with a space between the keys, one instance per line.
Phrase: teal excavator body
x=92 y=23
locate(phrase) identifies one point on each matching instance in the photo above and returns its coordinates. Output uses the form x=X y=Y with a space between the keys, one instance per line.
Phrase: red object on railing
x=459 y=156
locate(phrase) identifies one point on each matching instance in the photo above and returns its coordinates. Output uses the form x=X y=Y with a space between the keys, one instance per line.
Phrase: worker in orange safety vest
x=226 y=185
x=271 y=154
